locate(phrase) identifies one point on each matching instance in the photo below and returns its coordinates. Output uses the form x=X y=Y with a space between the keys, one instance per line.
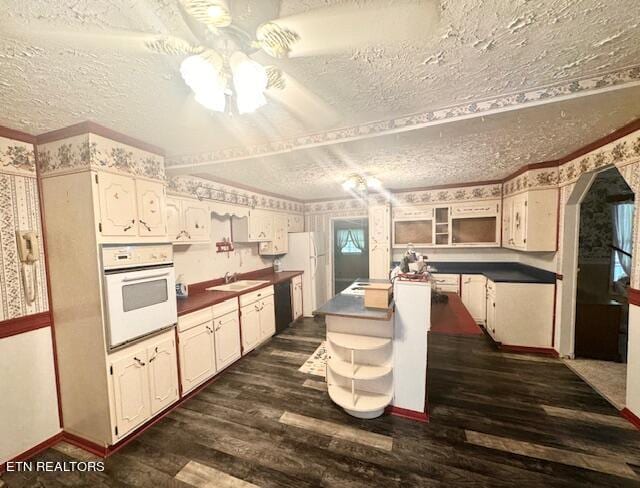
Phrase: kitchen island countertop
x=343 y=305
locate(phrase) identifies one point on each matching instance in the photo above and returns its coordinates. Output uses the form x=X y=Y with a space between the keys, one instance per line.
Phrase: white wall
x=29 y=403
x=201 y=262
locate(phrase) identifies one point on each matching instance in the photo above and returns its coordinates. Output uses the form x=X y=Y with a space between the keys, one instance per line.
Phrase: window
x=350 y=241
x=622 y=242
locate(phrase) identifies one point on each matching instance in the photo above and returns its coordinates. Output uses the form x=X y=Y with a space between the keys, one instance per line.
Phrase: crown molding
x=89 y=126
x=570 y=89
x=16 y=135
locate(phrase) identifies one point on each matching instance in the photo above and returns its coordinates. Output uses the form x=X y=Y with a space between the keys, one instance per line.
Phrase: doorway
x=350 y=252
x=605 y=241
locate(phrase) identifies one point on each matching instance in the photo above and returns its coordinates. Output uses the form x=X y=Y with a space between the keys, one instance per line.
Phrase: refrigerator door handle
x=315 y=266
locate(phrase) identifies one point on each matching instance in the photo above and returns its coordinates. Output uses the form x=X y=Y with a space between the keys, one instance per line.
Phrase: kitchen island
x=376 y=358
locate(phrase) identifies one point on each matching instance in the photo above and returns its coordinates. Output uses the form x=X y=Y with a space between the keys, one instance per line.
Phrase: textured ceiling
x=65 y=61
x=478 y=149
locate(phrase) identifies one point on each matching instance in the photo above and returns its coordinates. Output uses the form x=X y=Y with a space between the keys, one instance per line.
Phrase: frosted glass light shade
x=250 y=82
x=202 y=74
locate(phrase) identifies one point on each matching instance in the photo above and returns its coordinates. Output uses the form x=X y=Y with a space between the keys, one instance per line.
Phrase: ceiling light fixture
x=211 y=12
x=361 y=184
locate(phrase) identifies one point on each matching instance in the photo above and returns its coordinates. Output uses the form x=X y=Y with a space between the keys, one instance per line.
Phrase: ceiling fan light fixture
x=373 y=183
x=203 y=74
x=250 y=81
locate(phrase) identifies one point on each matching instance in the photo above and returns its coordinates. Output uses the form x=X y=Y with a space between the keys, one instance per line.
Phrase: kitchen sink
x=238 y=285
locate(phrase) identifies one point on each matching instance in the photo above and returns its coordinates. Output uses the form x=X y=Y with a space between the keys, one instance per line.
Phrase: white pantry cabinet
x=188 y=221
x=256 y=227
x=520 y=314
x=473 y=295
x=379 y=241
x=279 y=244
x=530 y=220
x=296 y=297
x=144 y=381
x=128 y=206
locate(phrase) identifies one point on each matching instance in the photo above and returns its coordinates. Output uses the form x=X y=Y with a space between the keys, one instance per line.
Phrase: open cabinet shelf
x=357 y=342
x=364 y=403
x=357 y=371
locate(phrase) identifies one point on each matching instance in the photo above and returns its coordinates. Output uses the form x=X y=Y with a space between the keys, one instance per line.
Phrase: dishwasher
x=284 y=313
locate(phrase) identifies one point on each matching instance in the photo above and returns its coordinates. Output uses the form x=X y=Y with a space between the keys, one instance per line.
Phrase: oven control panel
x=129 y=256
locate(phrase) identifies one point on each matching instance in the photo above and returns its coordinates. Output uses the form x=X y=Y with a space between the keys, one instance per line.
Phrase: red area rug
x=452 y=318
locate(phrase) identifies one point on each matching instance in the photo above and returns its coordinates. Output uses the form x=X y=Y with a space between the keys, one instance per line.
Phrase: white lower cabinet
x=473 y=295
x=227 y=339
x=449 y=283
x=197 y=356
x=520 y=314
x=144 y=381
x=257 y=318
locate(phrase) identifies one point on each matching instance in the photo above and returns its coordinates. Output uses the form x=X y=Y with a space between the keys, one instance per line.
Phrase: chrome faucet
x=229 y=278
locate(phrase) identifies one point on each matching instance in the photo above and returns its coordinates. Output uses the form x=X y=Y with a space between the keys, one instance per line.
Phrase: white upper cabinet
x=131 y=207
x=188 y=221
x=118 y=205
x=530 y=221
x=280 y=242
x=151 y=208
x=295 y=223
x=256 y=227
x=379 y=241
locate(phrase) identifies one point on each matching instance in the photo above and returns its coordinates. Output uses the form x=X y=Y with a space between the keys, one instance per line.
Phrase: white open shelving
x=360 y=403
x=357 y=342
x=354 y=370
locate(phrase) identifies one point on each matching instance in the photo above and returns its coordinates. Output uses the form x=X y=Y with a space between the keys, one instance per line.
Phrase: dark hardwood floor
x=496 y=420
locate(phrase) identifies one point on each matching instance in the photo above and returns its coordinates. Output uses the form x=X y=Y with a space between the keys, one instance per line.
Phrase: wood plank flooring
x=496 y=420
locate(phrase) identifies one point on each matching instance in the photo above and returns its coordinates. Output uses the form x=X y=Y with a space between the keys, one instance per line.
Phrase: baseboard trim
x=631 y=417
x=543 y=351
x=408 y=414
x=34 y=451
x=85 y=444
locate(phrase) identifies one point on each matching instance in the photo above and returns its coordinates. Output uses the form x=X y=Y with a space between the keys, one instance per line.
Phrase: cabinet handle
x=127 y=228
x=154 y=356
x=209 y=329
x=140 y=363
x=145 y=224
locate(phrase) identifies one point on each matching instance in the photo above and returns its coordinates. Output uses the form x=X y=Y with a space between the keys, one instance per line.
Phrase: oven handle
x=141 y=278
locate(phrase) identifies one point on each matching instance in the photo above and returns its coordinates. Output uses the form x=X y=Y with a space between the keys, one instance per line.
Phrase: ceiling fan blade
x=342 y=27
x=304 y=104
x=130 y=41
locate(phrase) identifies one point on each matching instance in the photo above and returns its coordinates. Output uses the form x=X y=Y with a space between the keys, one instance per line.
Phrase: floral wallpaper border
x=91 y=151
x=454 y=194
x=620 y=153
x=410 y=122
x=17 y=158
x=192 y=186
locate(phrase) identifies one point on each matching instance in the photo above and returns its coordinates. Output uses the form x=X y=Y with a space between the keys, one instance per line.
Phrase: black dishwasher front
x=284 y=314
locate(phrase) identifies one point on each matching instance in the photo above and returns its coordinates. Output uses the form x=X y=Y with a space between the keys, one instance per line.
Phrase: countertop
x=353 y=306
x=497 y=272
x=201 y=298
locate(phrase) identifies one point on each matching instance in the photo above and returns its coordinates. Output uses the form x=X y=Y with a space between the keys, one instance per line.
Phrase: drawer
x=254 y=296
x=224 y=308
x=446 y=279
x=189 y=321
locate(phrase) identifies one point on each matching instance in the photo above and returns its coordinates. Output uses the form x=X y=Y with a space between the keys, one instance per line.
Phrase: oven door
x=139 y=302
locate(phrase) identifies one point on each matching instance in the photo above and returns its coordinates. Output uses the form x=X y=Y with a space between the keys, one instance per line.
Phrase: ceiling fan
x=219 y=70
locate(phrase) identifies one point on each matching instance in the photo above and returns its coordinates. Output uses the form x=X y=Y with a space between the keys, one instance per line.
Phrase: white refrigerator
x=307 y=253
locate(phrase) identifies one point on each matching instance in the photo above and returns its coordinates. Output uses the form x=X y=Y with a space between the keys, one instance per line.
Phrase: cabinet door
x=491 y=318
x=131 y=391
x=379 y=242
x=474 y=296
x=296 y=298
x=250 y=326
x=118 y=205
x=197 y=220
x=267 y=318
x=227 y=339
x=507 y=207
x=163 y=375
x=197 y=356
x=295 y=223
x=519 y=221
x=282 y=237
x=151 y=208
x=175 y=226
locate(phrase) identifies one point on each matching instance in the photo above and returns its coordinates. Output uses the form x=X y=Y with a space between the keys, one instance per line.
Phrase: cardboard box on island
x=377 y=295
